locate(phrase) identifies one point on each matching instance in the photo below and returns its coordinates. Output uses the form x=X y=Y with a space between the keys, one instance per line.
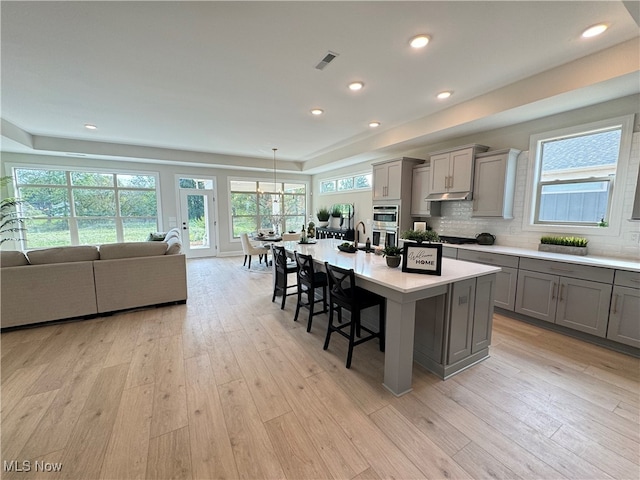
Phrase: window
x=342 y=184
x=259 y=205
x=77 y=207
x=574 y=172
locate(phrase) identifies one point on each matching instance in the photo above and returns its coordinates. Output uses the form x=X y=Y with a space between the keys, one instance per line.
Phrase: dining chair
x=345 y=294
x=308 y=281
x=282 y=270
x=249 y=249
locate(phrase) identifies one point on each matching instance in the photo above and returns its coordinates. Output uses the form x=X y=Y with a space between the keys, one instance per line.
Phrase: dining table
x=443 y=322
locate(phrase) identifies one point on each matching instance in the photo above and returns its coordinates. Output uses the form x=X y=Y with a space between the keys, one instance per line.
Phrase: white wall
x=167 y=175
x=456 y=219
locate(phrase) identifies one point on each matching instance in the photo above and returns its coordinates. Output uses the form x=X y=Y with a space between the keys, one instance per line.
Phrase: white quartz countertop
x=559 y=257
x=374 y=267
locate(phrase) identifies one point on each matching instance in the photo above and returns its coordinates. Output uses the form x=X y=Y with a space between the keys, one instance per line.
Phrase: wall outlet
x=635 y=237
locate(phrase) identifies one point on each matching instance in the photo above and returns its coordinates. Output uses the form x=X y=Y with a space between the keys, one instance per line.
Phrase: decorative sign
x=422 y=258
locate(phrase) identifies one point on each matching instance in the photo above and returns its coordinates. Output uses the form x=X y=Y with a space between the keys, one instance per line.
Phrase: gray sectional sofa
x=78 y=281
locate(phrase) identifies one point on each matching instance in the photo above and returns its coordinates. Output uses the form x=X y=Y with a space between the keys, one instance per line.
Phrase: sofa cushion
x=13 y=258
x=80 y=253
x=175 y=246
x=173 y=233
x=112 y=251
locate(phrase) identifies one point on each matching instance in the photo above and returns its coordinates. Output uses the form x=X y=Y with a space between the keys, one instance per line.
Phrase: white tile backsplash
x=456 y=219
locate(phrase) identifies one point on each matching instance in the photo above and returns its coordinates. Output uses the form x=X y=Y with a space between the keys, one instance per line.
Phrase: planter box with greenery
x=420 y=235
x=568 y=245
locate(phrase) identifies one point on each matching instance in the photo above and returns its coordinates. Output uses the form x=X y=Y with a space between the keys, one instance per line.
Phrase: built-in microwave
x=386 y=217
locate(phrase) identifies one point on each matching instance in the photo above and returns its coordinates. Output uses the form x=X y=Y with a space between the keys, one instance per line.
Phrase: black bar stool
x=308 y=281
x=283 y=269
x=344 y=293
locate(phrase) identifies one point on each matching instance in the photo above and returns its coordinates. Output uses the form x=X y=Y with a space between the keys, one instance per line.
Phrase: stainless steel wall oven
x=386 y=222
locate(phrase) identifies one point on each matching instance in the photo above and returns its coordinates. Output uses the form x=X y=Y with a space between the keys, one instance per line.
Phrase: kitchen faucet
x=357 y=232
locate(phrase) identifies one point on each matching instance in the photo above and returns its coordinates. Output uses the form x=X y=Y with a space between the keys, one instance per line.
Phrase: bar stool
x=344 y=293
x=283 y=269
x=308 y=281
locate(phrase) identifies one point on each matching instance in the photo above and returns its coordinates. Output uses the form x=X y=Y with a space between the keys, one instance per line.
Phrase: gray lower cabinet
x=467 y=337
x=583 y=306
x=578 y=304
x=506 y=280
x=624 y=313
x=536 y=295
x=471 y=317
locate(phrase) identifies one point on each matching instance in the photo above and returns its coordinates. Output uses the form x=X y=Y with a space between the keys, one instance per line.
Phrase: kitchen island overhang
x=452 y=313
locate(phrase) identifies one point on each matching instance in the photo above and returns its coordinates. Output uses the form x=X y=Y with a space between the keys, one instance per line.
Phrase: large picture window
x=574 y=174
x=77 y=207
x=257 y=205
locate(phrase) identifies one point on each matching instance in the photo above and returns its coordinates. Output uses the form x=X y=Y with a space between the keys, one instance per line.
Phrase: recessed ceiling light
x=443 y=95
x=374 y=124
x=89 y=126
x=356 y=86
x=420 y=41
x=594 y=30
x=317 y=111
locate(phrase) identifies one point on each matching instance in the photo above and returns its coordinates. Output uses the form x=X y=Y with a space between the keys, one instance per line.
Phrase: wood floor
x=228 y=386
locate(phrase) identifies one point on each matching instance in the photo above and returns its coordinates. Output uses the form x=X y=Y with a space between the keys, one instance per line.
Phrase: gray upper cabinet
x=420 y=207
x=392 y=179
x=494 y=183
x=624 y=312
x=452 y=171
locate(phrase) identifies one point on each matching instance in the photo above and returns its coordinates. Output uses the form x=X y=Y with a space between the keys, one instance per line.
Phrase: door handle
x=561 y=291
x=553 y=291
x=615 y=304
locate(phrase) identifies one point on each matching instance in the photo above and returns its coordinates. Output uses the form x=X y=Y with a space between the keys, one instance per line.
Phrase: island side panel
x=398 y=360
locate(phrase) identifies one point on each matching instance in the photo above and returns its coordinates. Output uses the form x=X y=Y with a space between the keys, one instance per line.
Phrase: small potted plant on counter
x=568 y=245
x=336 y=213
x=420 y=236
x=323 y=215
x=393 y=255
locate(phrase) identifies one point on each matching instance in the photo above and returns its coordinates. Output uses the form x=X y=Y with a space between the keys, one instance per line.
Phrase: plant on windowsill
x=568 y=245
x=392 y=255
x=421 y=235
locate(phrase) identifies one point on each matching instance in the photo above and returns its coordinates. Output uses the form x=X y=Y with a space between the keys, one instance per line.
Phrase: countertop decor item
x=392 y=255
x=421 y=235
x=485 y=239
x=347 y=248
x=568 y=245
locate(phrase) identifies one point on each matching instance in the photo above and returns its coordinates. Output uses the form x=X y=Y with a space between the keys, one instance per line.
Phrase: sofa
x=80 y=281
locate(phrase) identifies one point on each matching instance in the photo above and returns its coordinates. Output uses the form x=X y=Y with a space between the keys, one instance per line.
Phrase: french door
x=198 y=222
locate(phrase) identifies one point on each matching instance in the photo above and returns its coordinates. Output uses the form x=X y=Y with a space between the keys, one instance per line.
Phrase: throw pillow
x=156 y=237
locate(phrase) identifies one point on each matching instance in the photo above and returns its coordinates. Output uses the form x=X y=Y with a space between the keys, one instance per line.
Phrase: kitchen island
x=443 y=322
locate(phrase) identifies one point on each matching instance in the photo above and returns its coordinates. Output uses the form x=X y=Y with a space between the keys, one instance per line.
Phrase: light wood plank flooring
x=228 y=386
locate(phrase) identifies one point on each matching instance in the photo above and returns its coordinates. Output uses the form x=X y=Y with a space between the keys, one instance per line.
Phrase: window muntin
x=263 y=205
x=575 y=177
x=347 y=183
x=83 y=207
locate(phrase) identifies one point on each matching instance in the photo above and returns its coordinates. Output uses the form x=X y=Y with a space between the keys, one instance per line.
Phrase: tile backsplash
x=456 y=219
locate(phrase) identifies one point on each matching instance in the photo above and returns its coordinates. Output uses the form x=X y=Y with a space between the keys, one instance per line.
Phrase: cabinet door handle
x=565 y=270
x=561 y=291
x=553 y=291
x=615 y=304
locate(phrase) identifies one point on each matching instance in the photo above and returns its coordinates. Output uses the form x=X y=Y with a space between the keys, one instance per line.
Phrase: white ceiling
x=222 y=83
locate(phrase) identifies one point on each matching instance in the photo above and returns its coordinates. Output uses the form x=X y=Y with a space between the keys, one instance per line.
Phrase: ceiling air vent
x=328 y=58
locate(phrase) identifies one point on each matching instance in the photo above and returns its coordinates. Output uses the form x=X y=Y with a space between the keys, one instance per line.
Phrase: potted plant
x=11 y=224
x=323 y=215
x=568 y=245
x=336 y=213
x=393 y=255
x=421 y=235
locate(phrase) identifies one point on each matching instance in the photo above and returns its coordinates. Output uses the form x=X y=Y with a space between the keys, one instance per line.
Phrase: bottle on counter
x=303 y=234
x=367 y=245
